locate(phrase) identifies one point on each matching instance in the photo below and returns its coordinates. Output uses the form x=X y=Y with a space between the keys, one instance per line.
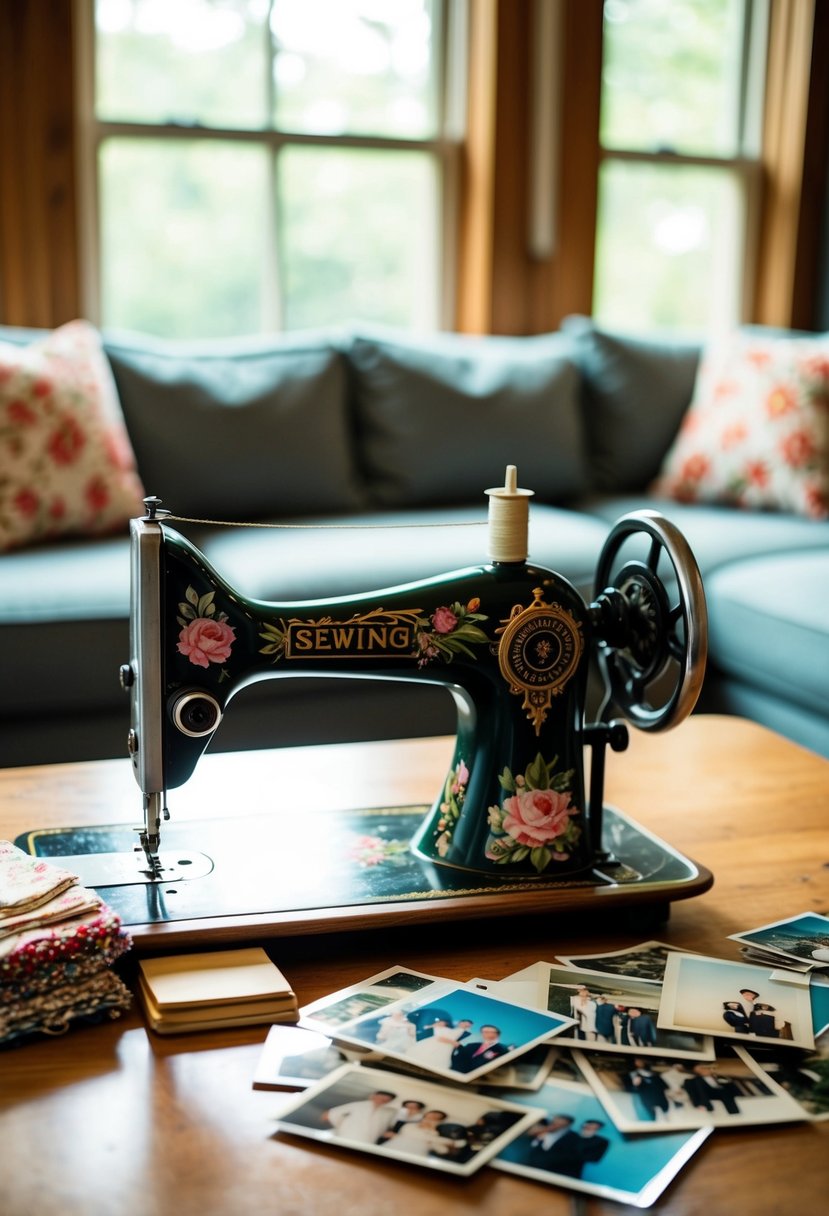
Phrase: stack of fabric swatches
x=58 y=941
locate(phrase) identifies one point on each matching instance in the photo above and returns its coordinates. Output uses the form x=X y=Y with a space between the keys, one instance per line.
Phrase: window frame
x=445 y=148
x=744 y=167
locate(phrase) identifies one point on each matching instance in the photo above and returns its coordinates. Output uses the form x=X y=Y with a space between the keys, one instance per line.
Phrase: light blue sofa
x=372 y=426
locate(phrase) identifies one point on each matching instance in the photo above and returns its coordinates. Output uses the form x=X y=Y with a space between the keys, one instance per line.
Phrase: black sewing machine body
x=512 y=642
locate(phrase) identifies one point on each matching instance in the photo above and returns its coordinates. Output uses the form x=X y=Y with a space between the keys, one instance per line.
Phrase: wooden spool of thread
x=509 y=515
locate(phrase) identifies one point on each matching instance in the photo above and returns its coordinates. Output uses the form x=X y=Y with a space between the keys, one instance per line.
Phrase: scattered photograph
x=819 y=1003
x=527 y=1071
x=804 y=1075
x=412 y=1119
x=804 y=938
x=293 y=1058
x=575 y=1145
x=734 y=1000
x=645 y=961
x=652 y=1093
x=454 y=1031
x=611 y=1013
x=376 y=992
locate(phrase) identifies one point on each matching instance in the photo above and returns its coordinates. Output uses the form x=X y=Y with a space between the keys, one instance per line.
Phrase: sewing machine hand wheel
x=650 y=636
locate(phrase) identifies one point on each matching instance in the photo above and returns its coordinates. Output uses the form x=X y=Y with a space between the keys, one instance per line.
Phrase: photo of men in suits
x=556 y=1147
x=468 y=1056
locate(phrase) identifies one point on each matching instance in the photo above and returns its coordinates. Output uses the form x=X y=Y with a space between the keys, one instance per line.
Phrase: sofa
x=389 y=437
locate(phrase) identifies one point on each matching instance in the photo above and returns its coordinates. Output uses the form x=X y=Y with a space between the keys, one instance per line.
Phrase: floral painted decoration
x=537 y=819
x=454 y=793
x=449 y=631
x=756 y=433
x=205 y=635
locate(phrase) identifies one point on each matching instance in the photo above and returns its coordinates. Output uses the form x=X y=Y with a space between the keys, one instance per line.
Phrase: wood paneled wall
x=39 y=261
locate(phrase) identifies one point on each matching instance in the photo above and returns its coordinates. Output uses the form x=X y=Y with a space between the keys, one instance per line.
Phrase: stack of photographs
x=599 y=1073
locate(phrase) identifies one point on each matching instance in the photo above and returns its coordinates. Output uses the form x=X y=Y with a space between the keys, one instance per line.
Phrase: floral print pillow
x=66 y=464
x=756 y=433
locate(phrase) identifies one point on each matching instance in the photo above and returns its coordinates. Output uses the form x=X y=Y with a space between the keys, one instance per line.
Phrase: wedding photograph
x=651 y=1094
x=575 y=1145
x=612 y=1013
x=457 y=1032
x=734 y=1000
x=439 y=1127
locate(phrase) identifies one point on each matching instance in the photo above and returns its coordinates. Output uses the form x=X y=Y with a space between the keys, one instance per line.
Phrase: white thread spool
x=509 y=515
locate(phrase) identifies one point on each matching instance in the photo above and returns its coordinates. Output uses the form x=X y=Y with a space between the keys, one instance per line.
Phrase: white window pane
x=359 y=237
x=671 y=75
x=668 y=249
x=183 y=236
x=189 y=61
x=366 y=67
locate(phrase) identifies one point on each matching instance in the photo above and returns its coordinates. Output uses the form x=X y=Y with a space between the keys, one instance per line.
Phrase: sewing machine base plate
x=261 y=876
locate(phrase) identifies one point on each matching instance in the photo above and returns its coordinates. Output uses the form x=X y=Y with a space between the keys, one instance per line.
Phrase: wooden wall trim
x=794 y=79
x=38 y=213
x=502 y=287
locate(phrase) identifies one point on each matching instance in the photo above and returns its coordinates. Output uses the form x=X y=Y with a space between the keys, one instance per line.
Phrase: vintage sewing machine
x=521 y=807
x=512 y=642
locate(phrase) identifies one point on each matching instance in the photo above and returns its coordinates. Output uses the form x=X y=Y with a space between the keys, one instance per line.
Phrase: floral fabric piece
x=103 y=994
x=27 y=882
x=756 y=433
x=66 y=462
x=69 y=903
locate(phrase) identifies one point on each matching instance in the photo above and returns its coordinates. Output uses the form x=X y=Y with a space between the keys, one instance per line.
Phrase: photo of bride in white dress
x=435 y=1050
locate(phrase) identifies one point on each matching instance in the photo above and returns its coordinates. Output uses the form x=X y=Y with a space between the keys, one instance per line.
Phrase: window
x=679 y=177
x=269 y=164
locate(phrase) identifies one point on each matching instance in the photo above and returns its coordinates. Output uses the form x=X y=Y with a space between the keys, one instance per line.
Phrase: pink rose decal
x=536 y=817
x=536 y=824
x=206 y=640
x=444 y=620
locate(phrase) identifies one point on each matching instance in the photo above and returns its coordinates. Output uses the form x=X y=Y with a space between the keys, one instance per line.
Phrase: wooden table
x=113 y=1120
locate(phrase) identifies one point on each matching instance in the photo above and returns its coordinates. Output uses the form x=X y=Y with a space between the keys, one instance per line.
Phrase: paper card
x=803 y=938
x=376 y=992
x=653 y=1094
x=577 y=1147
x=293 y=1058
x=453 y=1030
x=643 y=962
x=734 y=1000
x=803 y=1074
x=217 y=978
x=417 y=1120
x=611 y=1013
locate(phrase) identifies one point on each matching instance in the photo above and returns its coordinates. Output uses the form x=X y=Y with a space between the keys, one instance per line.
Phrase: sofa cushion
x=768 y=625
x=635 y=393
x=240 y=429
x=66 y=465
x=756 y=433
x=719 y=535
x=440 y=418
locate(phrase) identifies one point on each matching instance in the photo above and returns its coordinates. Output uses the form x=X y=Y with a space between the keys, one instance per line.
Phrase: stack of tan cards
x=188 y=992
x=599 y=1073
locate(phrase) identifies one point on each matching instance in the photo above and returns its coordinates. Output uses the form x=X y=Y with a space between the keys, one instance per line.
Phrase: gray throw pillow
x=635 y=392
x=439 y=417
x=238 y=430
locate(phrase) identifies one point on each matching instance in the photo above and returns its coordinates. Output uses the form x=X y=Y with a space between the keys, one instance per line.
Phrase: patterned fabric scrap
x=58 y=942
x=27 y=882
x=52 y=1012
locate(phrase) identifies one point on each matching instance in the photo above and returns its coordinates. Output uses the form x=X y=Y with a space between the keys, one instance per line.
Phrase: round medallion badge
x=539 y=651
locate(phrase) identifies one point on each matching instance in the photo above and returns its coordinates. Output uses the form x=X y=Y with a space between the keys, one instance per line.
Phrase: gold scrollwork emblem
x=539 y=651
